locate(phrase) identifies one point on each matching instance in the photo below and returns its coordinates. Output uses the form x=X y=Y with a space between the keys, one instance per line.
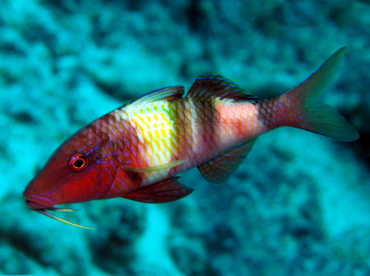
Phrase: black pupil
x=79 y=163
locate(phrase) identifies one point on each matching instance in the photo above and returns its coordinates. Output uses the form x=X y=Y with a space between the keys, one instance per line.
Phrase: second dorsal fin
x=217 y=86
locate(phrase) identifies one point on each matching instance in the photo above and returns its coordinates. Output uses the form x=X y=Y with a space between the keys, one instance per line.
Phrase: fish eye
x=78 y=162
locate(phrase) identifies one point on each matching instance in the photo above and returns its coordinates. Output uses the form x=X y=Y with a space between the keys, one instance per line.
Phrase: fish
x=138 y=150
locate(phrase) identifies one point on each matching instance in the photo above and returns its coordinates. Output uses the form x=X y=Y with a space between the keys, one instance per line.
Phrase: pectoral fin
x=165 y=191
x=155 y=168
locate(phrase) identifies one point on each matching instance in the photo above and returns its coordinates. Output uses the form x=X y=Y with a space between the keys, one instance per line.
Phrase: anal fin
x=218 y=170
x=165 y=191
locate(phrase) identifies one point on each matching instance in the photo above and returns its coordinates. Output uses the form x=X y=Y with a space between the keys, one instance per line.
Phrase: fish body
x=137 y=150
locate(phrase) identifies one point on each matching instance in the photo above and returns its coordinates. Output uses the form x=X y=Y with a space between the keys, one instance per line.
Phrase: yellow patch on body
x=155 y=130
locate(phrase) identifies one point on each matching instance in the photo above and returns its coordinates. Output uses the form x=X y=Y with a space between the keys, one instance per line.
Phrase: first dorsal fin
x=170 y=93
x=211 y=85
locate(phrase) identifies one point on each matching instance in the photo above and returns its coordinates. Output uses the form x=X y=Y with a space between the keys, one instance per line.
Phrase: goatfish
x=138 y=150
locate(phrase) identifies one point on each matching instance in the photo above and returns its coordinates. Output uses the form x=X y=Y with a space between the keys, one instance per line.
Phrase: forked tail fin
x=305 y=111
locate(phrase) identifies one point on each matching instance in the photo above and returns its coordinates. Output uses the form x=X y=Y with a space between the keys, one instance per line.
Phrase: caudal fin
x=307 y=112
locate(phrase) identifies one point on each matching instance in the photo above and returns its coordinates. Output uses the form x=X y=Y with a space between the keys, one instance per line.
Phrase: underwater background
x=299 y=204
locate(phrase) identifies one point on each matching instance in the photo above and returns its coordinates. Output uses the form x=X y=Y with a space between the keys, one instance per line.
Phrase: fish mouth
x=42 y=209
x=37 y=202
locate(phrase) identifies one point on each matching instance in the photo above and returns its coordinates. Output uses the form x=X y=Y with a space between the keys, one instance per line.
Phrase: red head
x=79 y=170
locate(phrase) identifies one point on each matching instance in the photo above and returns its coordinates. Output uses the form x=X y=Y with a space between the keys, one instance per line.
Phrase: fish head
x=79 y=170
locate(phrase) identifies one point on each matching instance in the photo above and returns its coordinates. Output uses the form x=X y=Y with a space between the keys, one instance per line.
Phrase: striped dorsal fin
x=217 y=86
x=218 y=170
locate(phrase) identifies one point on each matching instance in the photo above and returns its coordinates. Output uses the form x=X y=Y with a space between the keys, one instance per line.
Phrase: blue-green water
x=298 y=205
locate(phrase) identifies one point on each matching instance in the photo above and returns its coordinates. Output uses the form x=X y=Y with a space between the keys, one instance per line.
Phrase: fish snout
x=34 y=206
x=36 y=202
